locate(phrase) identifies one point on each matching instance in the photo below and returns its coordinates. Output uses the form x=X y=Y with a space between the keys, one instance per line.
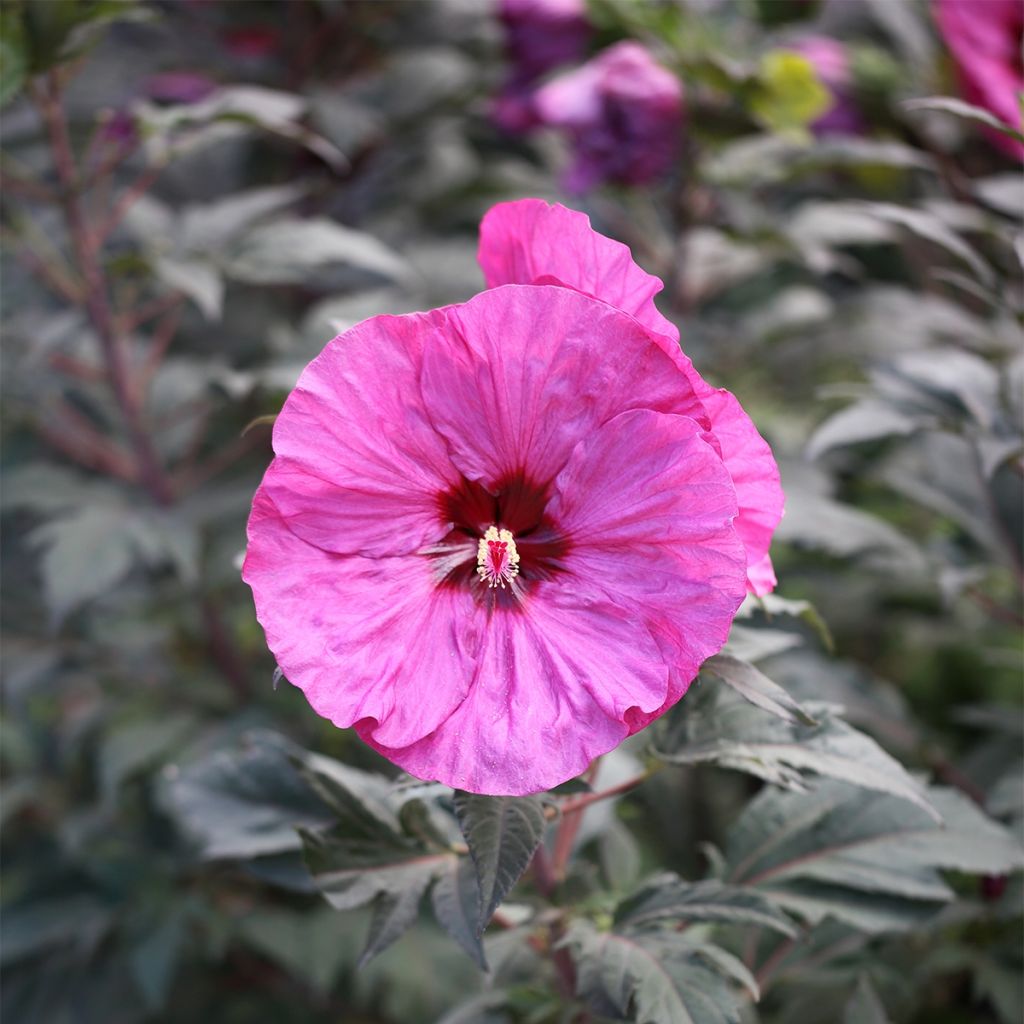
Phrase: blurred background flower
x=831 y=63
x=623 y=114
x=539 y=36
x=986 y=41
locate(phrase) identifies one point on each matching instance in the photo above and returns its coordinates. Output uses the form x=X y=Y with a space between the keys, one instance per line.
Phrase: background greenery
x=843 y=842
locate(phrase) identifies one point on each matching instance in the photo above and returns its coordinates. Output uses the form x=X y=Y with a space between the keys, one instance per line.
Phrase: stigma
x=497 y=560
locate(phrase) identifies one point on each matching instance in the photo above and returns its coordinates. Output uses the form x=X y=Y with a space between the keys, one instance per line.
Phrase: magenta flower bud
x=831 y=62
x=985 y=40
x=623 y=112
x=540 y=35
x=543 y=34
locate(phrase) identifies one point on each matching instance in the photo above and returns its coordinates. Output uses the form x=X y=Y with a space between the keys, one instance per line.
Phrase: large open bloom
x=499 y=537
x=985 y=39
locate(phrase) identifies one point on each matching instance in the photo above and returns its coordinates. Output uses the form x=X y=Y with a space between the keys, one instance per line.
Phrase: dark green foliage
x=827 y=828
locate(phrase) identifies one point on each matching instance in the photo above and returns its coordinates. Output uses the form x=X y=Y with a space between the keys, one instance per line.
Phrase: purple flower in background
x=119 y=128
x=624 y=114
x=985 y=40
x=178 y=87
x=540 y=35
x=831 y=62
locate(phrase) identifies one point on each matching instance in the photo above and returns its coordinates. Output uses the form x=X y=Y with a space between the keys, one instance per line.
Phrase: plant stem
x=580 y=803
x=96 y=298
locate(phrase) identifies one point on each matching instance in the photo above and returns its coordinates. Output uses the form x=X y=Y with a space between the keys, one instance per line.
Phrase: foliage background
x=861 y=295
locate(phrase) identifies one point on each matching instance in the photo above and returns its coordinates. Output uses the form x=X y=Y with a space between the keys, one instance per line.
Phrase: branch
x=97 y=302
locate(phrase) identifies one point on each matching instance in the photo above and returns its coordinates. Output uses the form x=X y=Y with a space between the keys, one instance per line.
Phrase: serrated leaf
x=651 y=978
x=840 y=850
x=754 y=686
x=502 y=833
x=724 y=729
x=667 y=897
x=394 y=913
x=360 y=799
x=352 y=872
x=456 y=903
x=245 y=803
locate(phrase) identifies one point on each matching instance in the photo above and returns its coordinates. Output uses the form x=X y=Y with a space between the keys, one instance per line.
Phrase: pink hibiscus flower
x=499 y=537
x=985 y=38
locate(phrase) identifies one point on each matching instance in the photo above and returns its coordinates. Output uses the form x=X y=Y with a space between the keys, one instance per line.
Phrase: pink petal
x=755 y=476
x=557 y=683
x=529 y=370
x=530 y=242
x=648 y=507
x=761 y=577
x=369 y=640
x=359 y=466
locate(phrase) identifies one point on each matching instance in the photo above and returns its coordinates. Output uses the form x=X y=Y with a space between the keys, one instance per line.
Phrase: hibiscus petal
x=755 y=476
x=364 y=638
x=359 y=466
x=558 y=683
x=528 y=370
x=647 y=508
x=530 y=242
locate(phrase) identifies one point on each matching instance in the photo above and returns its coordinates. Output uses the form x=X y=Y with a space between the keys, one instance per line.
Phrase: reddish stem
x=97 y=302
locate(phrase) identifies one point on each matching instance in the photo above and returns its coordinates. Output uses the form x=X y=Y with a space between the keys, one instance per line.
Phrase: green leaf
x=966 y=111
x=362 y=800
x=754 y=686
x=197 y=279
x=311 y=945
x=456 y=903
x=654 y=978
x=394 y=913
x=13 y=55
x=867 y=420
x=129 y=750
x=155 y=959
x=502 y=833
x=864 y=1006
x=287 y=251
x=815 y=521
x=245 y=803
x=667 y=897
x=392 y=875
x=172 y=131
x=859 y=856
x=931 y=228
x=763 y=159
x=723 y=729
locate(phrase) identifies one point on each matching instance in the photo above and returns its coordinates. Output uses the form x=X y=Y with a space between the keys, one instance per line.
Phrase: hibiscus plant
x=512 y=511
